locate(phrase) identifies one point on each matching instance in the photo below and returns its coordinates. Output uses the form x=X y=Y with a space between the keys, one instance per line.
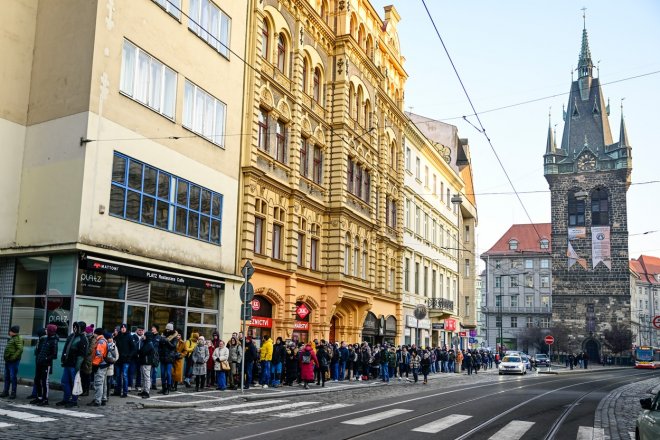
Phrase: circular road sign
x=420 y=311
x=247 y=292
x=549 y=340
x=656 y=322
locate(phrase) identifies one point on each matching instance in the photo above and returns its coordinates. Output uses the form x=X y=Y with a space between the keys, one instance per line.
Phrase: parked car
x=542 y=360
x=512 y=364
x=526 y=360
x=648 y=421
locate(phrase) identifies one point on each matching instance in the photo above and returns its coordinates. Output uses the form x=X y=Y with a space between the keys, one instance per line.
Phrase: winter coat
x=307 y=370
x=219 y=355
x=209 y=361
x=47 y=351
x=14 y=349
x=86 y=367
x=266 y=351
x=426 y=362
x=126 y=347
x=146 y=352
x=235 y=353
x=200 y=356
x=343 y=354
x=177 y=365
x=111 y=367
x=75 y=350
x=415 y=360
x=291 y=364
x=322 y=357
x=392 y=360
x=99 y=352
x=167 y=348
x=279 y=353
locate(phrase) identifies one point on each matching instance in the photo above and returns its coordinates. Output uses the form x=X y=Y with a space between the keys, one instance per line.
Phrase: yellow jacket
x=266 y=351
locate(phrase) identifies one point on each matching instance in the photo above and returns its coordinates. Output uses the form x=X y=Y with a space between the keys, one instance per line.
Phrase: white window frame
x=172 y=7
x=211 y=24
x=197 y=104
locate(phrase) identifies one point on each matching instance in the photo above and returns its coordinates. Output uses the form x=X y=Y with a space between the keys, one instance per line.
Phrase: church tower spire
x=623 y=133
x=551 y=145
x=585 y=64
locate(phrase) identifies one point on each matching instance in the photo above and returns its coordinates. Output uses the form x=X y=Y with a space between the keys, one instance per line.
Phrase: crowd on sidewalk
x=103 y=363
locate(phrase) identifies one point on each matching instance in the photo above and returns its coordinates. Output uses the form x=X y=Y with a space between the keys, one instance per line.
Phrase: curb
x=563 y=370
x=277 y=395
x=162 y=405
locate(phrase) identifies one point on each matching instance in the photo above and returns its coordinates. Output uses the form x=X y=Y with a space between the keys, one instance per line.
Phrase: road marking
x=590 y=433
x=25 y=416
x=440 y=424
x=241 y=405
x=5 y=425
x=275 y=408
x=65 y=412
x=376 y=417
x=305 y=411
x=513 y=431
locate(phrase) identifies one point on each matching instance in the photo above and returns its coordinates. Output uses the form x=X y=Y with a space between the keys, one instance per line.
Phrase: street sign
x=256 y=304
x=247 y=270
x=247 y=292
x=302 y=311
x=420 y=311
x=656 y=322
x=549 y=340
x=246 y=314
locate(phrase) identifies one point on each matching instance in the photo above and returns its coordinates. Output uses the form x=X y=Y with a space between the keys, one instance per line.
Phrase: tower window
x=575 y=211
x=600 y=215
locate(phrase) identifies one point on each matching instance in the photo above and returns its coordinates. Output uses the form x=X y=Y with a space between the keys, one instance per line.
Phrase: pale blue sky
x=512 y=51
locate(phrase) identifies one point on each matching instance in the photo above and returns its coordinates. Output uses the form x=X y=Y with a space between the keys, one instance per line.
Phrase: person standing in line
x=145 y=359
x=73 y=355
x=167 y=355
x=99 y=366
x=134 y=373
x=155 y=340
x=210 y=371
x=126 y=348
x=250 y=357
x=425 y=364
x=235 y=359
x=199 y=357
x=190 y=345
x=113 y=353
x=279 y=355
x=86 y=374
x=220 y=361
x=178 y=371
x=323 y=359
x=415 y=361
x=45 y=353
x=12 y=356
x=41 y=334
x=265 y=357
x=308 y=360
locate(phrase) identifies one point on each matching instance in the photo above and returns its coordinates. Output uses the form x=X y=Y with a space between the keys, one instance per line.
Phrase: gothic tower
x=588 y=176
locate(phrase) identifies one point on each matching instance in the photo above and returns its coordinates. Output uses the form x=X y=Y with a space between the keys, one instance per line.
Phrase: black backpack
x=306 y=357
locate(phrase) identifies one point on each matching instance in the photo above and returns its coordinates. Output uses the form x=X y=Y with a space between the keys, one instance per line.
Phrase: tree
x=532 y=337
x=618 y=339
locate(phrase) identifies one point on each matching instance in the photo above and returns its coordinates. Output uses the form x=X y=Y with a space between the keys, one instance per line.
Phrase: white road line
x=64 y=412
x=440 y=424
x=5 y=425
x=513 y=431
x=274 y=408
x=590 y=433
x=376 y=417
x=305 y=411
x=241 y=405
x=25 y=416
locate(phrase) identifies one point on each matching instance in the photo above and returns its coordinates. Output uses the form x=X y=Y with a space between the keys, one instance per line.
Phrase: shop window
x=31 y=276
x=28 y=313
x=101 y=284
x=112 y=316
x=62 y=274
x=203 y=298
x=164 y=293
x=161 y=315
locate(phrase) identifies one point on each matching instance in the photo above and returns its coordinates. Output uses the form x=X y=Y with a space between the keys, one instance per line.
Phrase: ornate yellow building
x=322 y=170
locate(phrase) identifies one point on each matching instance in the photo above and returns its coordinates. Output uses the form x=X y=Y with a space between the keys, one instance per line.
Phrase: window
x=434 y=277
x=529 y=280
x=529 y=301
x=530 y=322
x=441 y=284
x=316 y=86
x=258 y=235
x=356 y=257
x=575 y=211
x=544 y=243
x=418 y=219
x=314 y=253
x=417 y=278
x=347 y=255
x=466 y=235
x=545 y=322
x=545 y=281
x=498 y=282
x=406 y=218
x=513 y=245
x=304 y=75
x=426 y=281
x=498 y=321
x=277 y=241
x=317 y=170
x=263 y=130
x=172 y=7
x=498 y=264
x=152 y=197
x=467 y=306
x=304 y=154
x=418 y=168
x=364 y=260
x=514 y=301
x=529 y=264
x=426 y=176
x=545 y=301
x=467 y=267
x=356 y=184
x=426 y=226
x=442 y=191
x=390 y=212
x=281 y=53
x=147 y=80
x=408 y=166
x=435 y=184
x=599 y=208
x=514 y=322
x=203 y=114
x=513 y=281
x=350 y=170
x=434 y=232
x=265 y=34
x=498 y=301
x=280 y=142
x=448 y=197
x=392 y=279
x=211 y=24
x=301 y=249
x=406 y=275
x=545 y=263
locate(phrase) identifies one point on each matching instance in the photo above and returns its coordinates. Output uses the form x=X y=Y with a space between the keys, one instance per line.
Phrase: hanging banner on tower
x=574 y=258
x=600 y=246
x=577 y=232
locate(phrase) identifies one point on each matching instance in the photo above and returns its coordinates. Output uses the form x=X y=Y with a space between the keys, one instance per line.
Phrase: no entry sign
x=549 y=340
x=656 y=322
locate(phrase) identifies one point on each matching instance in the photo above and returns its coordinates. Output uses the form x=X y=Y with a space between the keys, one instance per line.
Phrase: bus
x=647 y=357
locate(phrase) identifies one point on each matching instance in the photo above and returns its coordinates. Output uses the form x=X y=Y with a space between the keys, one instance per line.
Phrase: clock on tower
x=586 y=162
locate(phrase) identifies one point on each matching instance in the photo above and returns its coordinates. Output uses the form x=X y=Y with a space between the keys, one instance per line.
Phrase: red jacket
x=307 y=370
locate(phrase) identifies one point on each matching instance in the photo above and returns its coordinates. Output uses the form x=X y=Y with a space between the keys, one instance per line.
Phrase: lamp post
x=456 y=200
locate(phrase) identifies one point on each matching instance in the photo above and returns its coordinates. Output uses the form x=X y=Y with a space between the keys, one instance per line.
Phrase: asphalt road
x=532 y=407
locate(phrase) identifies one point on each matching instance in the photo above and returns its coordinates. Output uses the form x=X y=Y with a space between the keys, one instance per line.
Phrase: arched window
x=360 y=37
x=367 y=114
x=393 y=155
x=370 y=47
x=600 y=210
x=304 y=75
x=575 y=210
x=513 y=245
x=353 y=26
x=316 y=91
x=265 y=32
x=358 y=103
x=347 y=255
x=281 y=53
x=351 y=98
x=356 y=257
x=365 y=251
x=324 y=10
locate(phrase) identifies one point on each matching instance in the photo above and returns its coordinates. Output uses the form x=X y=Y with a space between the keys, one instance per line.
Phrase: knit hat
x=107 y=335
x=41 y=332
x=15 y=329
x=124 y=325
x=99 y=331
x=169 y=326
x=89 y=328
x=51 y=329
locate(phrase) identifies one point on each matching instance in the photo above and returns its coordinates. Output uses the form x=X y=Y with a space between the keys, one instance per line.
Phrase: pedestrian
x=571 y=360
x=99 y=366
x=265 y=358
x=126 y=346
x=404 y=361
x=415 y=361
x=155 y=341
x=45 y=353
x=308 y=360
x=323 y=360
x=199 y=357
x=210 y=371
x=221 y=365
x=291 y=364
x=279 y=355
x=146 y=355
x=178 y=372
x=425 y=364
x=134 y=373
x=250 y=358
x=235 y=360
x=585 y=359
x=73 y=355
x=458 y=363
x=86 y=374
x=190 y=345
x=167 y=355
x=113 y=352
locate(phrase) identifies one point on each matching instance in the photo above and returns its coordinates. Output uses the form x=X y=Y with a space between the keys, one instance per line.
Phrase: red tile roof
x=647 y=267
x=527 y=237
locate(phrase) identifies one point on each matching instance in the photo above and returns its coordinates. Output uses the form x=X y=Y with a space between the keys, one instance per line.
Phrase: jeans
x=334 y=371
x=445 y=366
x=221 y=379
x=121 y=377
x=248 y=373
x=415 y=374
x=187 y=369
x=265 y=373
x=166 y=374
x=68 y=377
x=134 y=373
x=385 y=372
x=275 y=373
x=145 y=377
x=11 y=372
x=100 y=382
x=153 y=375
x=342 y=370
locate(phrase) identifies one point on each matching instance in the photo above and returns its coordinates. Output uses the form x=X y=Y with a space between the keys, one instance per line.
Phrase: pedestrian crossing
x=36 y=414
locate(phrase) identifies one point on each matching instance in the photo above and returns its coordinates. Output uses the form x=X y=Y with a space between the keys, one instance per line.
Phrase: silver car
x=648 y=421
x=512 y=364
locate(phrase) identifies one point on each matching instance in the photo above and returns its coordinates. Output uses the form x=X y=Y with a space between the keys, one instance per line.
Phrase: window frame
x=220 y=42
x=192 y=113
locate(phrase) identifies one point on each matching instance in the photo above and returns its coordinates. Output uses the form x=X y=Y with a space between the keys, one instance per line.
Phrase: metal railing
x=440 y=304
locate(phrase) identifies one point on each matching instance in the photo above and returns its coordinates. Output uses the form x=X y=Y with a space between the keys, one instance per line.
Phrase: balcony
x=517 y=310
x=439 y=306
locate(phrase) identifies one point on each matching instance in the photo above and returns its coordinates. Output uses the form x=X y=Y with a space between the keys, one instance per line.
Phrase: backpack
x=306 y=357
x=110 y=357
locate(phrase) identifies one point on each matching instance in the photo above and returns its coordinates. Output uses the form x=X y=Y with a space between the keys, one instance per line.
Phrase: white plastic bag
x=77 y=385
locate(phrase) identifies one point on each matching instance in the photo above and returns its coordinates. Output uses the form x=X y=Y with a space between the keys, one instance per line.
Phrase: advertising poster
x=577 y=232
x=600 y=246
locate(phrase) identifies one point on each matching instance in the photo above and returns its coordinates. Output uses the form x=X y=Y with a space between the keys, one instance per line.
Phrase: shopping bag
x=77 y=385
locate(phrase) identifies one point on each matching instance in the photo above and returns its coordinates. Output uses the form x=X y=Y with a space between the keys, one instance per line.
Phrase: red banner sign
x=462 y=334
x=258 y=321
x=450 y=325
x=302 y=311
x=301 y=325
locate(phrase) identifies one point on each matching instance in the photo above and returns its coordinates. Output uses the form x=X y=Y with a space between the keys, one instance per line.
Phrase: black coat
x=47 y=351
x=146 y=352
x=279 y=353
x=126 y=347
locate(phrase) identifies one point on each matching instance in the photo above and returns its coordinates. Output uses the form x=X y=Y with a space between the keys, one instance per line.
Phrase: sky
x=508 y=52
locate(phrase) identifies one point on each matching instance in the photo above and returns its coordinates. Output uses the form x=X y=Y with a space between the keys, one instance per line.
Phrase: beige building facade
x=121 y=126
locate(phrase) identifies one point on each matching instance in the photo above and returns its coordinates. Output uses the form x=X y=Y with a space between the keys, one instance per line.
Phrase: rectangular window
x=317 y=171
x=147 y=80
x=434 y=276
x=498 y=282
x=280 y=142
x=498 y=321
x=426 y=176
x=304 y=157
x=418 y=215
x=467 y=267
x=529 y=264
x=545 y=322
x=152 y=197
x=545 y=263
x=529 y=280
x=545 y=281
x=408 y=165
x=392 y=276
x=498 y=264
x=434 y=232
x=301 y=249
x=514 y=322
x=258 y=235
x=466 y=236
x=426 y=281
x=406 y=275
x=514 y=301
x=426 y=226
x=406 y=204
x=417 y=278
x=467 y=306
x=211 y=24
x=498 y=301
x=545 y=301
x=530 y=322
x=262 y=142
x=203 y=114
x=173 y=7
x=350 y=170
x=314 y=254
x=418 y=168
x=513 y=281
x=277 y=241
x=435 y=184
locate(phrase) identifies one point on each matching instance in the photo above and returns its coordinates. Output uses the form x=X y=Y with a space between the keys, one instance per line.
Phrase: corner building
x=120 y=168
x=322 y=170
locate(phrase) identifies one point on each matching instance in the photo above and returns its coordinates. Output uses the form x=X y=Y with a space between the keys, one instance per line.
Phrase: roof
x=647 y=268
x=527 y=237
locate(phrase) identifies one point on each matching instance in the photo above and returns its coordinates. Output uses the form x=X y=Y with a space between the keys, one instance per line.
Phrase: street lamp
x=456 y=200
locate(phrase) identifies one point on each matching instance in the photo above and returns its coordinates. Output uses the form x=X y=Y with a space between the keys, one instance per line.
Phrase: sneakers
x=145 y=395
x=71 y=404
x=61 y=403
x=43 y=402
x=265 y=387
x=104 y=402
x=93 y=403
x=35 y=401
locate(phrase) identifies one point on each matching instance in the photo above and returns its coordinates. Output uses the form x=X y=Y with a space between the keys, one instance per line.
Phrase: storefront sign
x=302 y=311
x=415 y=323
x=438 y=326
x=96 y=264
x=256 y=305
x=301 y=325
x=450 y=325
x=462 y=334
x=258 y=321
x=473 y=333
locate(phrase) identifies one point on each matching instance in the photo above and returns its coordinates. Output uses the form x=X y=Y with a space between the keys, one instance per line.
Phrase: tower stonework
x=588 y=177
